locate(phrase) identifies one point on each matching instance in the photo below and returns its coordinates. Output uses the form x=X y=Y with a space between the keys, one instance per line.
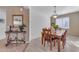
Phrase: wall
x=73 y=23
x=37 y=22
x=15 y=10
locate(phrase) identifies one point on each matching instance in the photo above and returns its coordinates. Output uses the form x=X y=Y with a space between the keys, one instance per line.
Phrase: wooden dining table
x=59 y=34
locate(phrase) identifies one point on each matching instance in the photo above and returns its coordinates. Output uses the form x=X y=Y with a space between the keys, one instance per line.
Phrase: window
x=63 y=22
x=2 y=23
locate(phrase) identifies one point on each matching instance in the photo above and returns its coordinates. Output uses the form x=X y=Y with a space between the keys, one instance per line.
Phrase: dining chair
x=47 y=37
x=53 y=35
x=42 y=35
x=64 y=38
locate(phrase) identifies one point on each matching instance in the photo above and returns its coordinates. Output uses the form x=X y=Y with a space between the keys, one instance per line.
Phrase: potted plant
x=22 y=27
x=54 y=26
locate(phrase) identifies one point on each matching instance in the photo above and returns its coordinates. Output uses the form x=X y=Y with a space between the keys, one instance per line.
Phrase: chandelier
x=55 y=14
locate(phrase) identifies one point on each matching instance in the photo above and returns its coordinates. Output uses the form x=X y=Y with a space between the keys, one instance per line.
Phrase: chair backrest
x=46 y=30
x=64 y=35
x=46 y=33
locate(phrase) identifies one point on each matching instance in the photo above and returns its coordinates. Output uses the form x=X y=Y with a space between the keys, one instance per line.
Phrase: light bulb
x=55 y=16
x=21 y=9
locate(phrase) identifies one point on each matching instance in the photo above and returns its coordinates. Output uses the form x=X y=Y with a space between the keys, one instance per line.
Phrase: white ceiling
x=48 y=10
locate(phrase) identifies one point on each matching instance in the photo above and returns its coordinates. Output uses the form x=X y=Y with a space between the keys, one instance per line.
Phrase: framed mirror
x=17 y=20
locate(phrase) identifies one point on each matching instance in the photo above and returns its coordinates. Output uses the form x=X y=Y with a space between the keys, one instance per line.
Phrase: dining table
x=58 y=34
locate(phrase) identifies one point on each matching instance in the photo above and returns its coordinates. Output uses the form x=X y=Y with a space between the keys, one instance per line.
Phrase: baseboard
x=28 y=41
x=32 y=39
x=36 y=38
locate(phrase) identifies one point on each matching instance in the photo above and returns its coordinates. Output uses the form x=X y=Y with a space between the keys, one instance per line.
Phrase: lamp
x=55 y=15
x=21 y=9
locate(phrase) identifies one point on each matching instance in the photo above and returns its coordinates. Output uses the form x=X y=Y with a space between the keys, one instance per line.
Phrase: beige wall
x=74 y=23
x=15 y=10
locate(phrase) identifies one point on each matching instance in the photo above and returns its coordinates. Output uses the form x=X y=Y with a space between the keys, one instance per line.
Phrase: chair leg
x=43 y=42
x=64 y=41
x=63 y=44
x=59 y=44
x=47 y=42
x=54 y=42
x=50 y=45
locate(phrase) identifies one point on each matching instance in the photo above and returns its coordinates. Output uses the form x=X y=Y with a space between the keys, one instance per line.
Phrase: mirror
x=17 y=20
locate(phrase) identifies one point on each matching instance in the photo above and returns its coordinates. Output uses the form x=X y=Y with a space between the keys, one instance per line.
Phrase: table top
x=59 y=32
x=15 y=32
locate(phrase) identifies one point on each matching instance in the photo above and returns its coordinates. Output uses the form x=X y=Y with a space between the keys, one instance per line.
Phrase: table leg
x=24 y=36
x=8 y=37
x=16 y=38
x=59 y=44
x=43 y=42
x=50 y=45
x=54 y=42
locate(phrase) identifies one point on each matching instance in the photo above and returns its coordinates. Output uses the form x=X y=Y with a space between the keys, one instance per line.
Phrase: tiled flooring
x=12 y=47
x=72 y=45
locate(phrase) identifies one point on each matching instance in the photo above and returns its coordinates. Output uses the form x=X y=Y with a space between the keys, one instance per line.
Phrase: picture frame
x=17 y=20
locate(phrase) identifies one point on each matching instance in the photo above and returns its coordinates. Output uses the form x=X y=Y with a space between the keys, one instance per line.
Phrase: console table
x=16 y=39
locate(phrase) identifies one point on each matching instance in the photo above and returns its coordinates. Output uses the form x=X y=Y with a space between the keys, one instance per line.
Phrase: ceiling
x=48 y=10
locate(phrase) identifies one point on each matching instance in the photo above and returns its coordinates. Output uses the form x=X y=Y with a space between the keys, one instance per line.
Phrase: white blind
x=2 y=23
x=63 y=22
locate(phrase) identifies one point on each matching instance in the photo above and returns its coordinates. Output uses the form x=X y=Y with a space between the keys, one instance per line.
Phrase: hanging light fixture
x=21 y=9
x=55 y=14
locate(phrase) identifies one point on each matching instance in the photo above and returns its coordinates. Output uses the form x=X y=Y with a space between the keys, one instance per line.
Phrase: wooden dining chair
x=64 y=38
x=47 y=37
x=42 y=35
